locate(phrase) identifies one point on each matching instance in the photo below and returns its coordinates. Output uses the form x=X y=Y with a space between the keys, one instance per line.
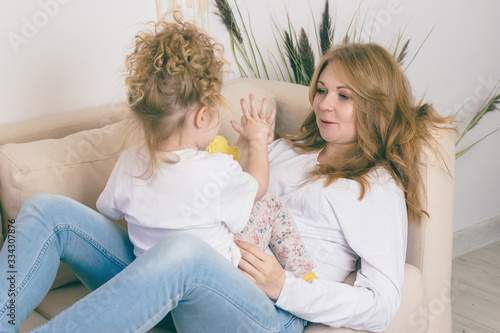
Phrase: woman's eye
x=321 y=91
x=343 y=97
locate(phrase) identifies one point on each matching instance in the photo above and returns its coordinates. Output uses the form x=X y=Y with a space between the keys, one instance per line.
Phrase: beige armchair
x=73 y=154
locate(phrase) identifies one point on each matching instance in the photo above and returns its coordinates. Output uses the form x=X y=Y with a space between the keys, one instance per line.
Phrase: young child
x=170 y=184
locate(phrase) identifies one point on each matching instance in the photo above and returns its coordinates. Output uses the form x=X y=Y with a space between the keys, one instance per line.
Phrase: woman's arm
x=242 y=144
x=376 y=229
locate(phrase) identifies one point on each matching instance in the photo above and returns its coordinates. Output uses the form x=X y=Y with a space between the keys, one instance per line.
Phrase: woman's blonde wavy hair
x=391 y=129
x=173 y=69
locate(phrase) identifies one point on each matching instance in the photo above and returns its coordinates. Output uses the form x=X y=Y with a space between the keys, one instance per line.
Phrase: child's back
x=206 y=195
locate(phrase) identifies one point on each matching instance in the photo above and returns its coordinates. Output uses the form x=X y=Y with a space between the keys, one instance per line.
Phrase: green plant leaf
x=253 y=65
x=463 y=151
x=292 y=55
x=403 y=53
x=278 y=29
x=258 y=49
x=325 y=30
x=489 y=105
x=306 y=57
x=227 y=17
x=347 y=37
x=418 y=50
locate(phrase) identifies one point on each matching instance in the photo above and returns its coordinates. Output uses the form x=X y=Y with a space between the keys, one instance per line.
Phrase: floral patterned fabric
x=270 y=224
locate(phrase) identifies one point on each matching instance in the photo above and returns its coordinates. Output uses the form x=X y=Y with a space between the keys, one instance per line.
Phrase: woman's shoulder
x=278 y=144
x=277 y=147
x=282 y=145
x=381 y=197
x=380 y=183
x=380 y=176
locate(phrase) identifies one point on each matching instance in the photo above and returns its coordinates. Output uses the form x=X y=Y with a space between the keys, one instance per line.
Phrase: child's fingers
x=253 y=107
x=263 y=109
x=272 y=117
x=237 y=126
x=255 y=114
x=243 y=120
x=244 y=108
x=271 y=120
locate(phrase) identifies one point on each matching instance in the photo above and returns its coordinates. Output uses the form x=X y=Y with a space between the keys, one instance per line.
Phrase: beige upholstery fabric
x=61 y=125
x=34 y=320
x=58 y=126
x=79 y=164
x=76 y=166
x=61 y=298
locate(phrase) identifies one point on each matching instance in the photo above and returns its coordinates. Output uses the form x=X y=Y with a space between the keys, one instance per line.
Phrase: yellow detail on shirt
x=220 y=144
x=310 y=276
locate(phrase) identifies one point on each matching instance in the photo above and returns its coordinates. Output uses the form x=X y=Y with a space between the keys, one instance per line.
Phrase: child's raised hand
x=255 y=123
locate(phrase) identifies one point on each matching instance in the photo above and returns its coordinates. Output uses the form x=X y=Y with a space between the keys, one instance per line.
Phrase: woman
x=350 y=182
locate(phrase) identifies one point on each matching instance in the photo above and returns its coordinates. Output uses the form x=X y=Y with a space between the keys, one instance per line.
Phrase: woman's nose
x=328 y=103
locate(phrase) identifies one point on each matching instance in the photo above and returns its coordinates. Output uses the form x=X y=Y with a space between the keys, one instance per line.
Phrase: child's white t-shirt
x=205 y=195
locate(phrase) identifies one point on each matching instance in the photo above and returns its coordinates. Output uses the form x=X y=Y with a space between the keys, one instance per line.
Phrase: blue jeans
x=182 y=275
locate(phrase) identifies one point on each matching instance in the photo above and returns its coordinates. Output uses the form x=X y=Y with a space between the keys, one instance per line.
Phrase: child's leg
x=271 y=224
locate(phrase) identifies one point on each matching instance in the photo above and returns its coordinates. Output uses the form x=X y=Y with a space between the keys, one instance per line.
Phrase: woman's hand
x=255 y=124
x=262 y=268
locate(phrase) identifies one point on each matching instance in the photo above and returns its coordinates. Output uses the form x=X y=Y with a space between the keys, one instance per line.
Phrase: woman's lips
x=324 y=122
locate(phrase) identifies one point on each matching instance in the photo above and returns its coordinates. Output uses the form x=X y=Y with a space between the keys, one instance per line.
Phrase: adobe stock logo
x=473 y=102
x=31 y=27
x=381 y=19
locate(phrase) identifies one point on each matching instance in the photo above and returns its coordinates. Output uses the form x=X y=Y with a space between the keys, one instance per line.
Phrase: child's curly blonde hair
x=173 y=69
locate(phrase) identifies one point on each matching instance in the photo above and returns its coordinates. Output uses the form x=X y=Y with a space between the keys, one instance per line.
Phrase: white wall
x=76 y=57
x=63 y=55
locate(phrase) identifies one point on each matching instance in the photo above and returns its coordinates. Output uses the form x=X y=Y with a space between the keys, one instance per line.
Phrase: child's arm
x=242 y=143
x=254 y=133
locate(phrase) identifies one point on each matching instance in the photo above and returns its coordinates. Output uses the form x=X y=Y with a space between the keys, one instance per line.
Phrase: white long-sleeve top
x=337 y=229
x=205 y=195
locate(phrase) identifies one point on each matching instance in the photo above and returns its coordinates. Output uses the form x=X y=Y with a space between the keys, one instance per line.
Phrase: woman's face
x=334 y=109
